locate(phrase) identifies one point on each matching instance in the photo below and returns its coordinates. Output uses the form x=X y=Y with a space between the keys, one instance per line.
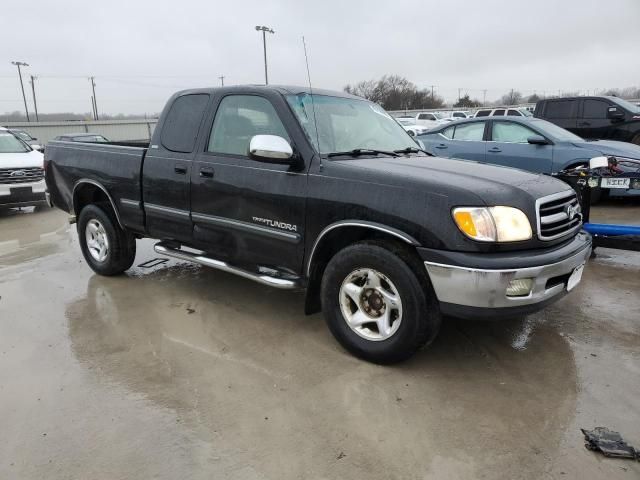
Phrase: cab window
x=594 y=109
x=238 y=119
x=509 y=132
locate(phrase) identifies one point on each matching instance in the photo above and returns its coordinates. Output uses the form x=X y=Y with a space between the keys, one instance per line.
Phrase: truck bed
x=116 y=167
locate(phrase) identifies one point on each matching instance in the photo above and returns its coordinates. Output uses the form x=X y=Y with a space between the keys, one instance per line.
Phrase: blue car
x=522 y=142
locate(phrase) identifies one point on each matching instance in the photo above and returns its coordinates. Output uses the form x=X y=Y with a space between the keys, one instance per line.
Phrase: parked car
x=411 y=128
x=503 y=111
x=523 y=142
x=21 y=173
x=459 y=114
x=28 y=139
x=330 y=194
x=82 y=137
x=431 y=119
x=608 y=118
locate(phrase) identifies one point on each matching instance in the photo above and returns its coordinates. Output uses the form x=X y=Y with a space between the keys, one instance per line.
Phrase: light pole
x=24 y=97
x=33 y=90
x=264 y=31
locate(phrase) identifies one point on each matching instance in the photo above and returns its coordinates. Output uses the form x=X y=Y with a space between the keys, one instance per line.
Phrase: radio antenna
x=313 y=105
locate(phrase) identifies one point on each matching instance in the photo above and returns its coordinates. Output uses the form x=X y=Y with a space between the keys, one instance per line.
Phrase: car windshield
x=405 y=121
x=23 y=135
x=525 y=112
x=440 y=116
x=556 y=132
x=345 y=124
x=10 y=144
x=627 y=105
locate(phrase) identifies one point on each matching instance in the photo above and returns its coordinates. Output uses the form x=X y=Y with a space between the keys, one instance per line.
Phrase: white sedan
x=411 y=128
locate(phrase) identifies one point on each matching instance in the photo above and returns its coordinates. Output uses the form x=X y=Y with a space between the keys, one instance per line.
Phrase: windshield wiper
x=362 y=151
x=413 y=150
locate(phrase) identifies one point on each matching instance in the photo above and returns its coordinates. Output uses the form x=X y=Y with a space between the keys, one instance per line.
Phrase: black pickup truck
x=326 y=192
x=604 y=118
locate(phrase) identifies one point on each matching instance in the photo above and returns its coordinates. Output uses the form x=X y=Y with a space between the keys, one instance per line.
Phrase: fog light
x=520 y=287
x=635 y=184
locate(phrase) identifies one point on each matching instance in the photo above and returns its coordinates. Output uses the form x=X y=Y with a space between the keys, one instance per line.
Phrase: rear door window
x=498 y=113
x=483 y=113
x=470 y=132
x=594 y=109
x=181 y=125
x=513 y=113
x=238 y=119
x=561 y=109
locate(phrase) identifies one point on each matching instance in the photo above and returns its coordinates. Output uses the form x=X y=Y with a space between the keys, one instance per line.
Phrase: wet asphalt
x=178 y=371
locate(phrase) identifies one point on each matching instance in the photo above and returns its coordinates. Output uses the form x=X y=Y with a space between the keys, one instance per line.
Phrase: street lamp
x=24 y=97
x=264 y=31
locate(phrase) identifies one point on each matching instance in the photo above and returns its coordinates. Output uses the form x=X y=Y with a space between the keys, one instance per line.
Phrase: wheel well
x=330 y=244
x=88 y=194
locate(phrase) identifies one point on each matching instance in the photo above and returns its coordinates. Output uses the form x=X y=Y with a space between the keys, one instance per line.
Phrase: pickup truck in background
x=326 y=192
x=597 y=118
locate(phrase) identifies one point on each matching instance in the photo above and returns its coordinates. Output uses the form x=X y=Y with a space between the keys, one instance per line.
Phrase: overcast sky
x=141 y=51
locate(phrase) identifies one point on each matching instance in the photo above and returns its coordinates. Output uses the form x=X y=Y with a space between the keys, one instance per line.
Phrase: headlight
x=493 y=224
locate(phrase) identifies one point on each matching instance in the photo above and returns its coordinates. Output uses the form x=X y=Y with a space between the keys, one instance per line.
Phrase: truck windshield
x=630 y=107
x=345 y=124
x=10 y=144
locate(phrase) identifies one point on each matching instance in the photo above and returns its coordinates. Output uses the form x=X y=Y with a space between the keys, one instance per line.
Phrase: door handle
x=206 y=172
x=494 y=150
x=180 y=169
x=584 y=124
x=442 y=145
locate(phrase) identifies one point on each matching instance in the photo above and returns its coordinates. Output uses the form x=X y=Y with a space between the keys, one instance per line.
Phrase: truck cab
x=602 y=117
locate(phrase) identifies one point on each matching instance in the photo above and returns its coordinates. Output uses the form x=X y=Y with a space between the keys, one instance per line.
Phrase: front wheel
x=107 y=248
x=379 y=303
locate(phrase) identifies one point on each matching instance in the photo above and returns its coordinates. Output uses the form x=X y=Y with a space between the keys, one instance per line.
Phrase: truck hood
x=611 y=147
x=464 y=179
x=21 y=160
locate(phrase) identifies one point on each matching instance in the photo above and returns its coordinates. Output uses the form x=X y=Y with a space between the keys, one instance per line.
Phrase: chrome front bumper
x=479 y=288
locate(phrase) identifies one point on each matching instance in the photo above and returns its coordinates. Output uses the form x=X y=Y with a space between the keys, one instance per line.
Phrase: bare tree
x=511 y=98
x=394 y=92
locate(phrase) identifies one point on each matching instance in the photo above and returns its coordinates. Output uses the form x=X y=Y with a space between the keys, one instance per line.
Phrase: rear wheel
x=107 y=248
x=378 y=302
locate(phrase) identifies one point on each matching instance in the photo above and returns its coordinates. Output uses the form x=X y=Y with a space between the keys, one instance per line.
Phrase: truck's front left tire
x=378 y=303
x=107 y=248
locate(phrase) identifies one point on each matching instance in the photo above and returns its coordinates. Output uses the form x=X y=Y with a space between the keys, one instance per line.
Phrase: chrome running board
x=282 y=283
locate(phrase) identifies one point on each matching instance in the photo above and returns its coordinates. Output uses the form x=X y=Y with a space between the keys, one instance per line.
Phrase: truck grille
x=558 y=215
x=21 y=175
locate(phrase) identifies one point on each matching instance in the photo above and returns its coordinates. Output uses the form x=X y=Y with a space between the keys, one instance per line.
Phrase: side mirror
x=270 y=148
x=537 y=140
x=598 y=162
x=613 y=113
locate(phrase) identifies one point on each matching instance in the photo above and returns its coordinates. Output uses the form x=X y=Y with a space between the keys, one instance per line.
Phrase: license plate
x=615 y=182
x=575 y=277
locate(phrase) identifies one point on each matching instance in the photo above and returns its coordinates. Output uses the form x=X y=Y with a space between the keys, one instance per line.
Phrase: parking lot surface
x=179 y=371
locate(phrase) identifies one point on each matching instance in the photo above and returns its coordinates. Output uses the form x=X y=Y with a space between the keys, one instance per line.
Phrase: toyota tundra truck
x=324 y=191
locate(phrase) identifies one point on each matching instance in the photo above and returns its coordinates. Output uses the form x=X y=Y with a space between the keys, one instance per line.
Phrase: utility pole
x=33 y=90
x=511 y=99
x=24 y=97
x=432 y=97
x=94 y=101
x=484 y=98
x=221 y=77
x=459 y=90
x=264 y=31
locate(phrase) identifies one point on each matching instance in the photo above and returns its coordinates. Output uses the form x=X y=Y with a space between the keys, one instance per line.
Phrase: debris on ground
x=609 y=443
x=154 y=262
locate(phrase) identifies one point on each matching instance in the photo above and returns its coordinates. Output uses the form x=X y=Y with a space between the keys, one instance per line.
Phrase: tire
x=120 y=251
x=414 y=320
